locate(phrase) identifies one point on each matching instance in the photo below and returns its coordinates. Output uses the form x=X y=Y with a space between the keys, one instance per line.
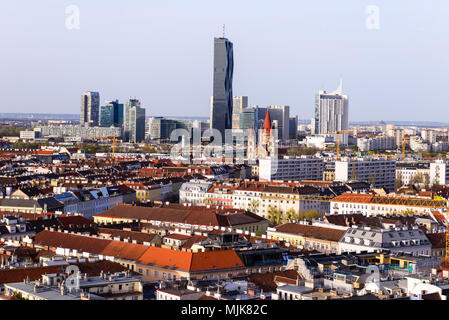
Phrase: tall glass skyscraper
x=111 y=114
x=90 y=109
x=105 y=116
x=222 y=100
x=134 y=121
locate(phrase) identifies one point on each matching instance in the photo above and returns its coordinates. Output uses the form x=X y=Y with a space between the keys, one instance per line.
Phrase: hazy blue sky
x=285 y=51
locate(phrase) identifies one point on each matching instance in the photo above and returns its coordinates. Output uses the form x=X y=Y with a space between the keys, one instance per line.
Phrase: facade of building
x=331 y=112
x=376 y=143
x=105 y=116
x=291 y=169
x=111 y=114
x=151 y=262
x=64 y=131
x=280 y=117
x=160 y=128
x=379 y=173
x=358 y=239
x=439 y=172
x=239 y=104
x=194 y=192
x=407 y=171
x=186 y=216
x=371 y=205
x=312 y=237
x=118 y=286
x=90 y=109
x=293 y=127
x=134 y=121
x=222 y=99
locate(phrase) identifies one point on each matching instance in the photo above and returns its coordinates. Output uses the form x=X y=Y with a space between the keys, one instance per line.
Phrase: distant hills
x=38 y=116
x=50 y=116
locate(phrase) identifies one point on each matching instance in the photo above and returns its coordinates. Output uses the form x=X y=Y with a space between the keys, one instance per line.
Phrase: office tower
x=116 y=112
x=160 y=128
x=331 y=111
x=238 y=105
x=293 y=127
x=111 y=114
x=90 y=109
x=105 y=116
x=280 y=116
x=222 y=99
x=248 y=118
x=134 y=121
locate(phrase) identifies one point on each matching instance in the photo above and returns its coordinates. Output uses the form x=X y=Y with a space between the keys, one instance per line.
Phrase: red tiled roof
x=55 y=239
x=192 y=261
x=18 y=275
x=311 y=231
x=438 y=240
x=195 y=215
x=167 y=258
x=354 y=198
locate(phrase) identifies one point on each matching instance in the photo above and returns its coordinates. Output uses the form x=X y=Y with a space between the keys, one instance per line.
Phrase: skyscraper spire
x=340 y=87
x=224 y=28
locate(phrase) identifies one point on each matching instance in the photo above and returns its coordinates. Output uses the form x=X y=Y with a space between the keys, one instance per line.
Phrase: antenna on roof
x=224 y=28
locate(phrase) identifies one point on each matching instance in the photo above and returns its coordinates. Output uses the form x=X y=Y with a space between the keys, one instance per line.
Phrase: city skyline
x=393 y=84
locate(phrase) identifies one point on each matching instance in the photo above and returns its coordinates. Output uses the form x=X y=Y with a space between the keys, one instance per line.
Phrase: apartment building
x=185 y=216
x=379 y=173
x=358 y=239
x=151 y=262
x=372 y=205
x=291 y=169
x=376 y=143
x=313 y=237
x=439 y=172
x=407 y=171
x=259 y=197
x=118 y=286
x=194 y=192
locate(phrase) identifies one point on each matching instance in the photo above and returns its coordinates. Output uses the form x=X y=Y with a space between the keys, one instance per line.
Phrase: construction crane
x=403 y=144
x=338 y=140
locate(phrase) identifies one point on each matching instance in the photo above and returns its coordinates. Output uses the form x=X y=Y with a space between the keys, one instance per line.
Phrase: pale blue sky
x=285 y=51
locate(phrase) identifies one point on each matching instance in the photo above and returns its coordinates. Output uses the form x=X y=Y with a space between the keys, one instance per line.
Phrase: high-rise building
x=280 y=115
x=222 y=99
x=293 y=127
x=331 y=111
x=105 y=116
x=90 y=109
x=117 y=112
x=238 y=105
x=248 y=118
x=134 y=121
x=161 y=128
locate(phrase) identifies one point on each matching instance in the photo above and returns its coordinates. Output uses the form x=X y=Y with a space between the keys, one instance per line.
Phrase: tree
x=18 y=296
x=311 y=214
x=291 y=214
x=399 y=183
x=353 y=172
x=274 y=216
x=253 y=206
x=417 y=179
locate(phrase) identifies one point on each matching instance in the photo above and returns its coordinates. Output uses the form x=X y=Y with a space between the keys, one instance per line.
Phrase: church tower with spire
x=265 y=146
